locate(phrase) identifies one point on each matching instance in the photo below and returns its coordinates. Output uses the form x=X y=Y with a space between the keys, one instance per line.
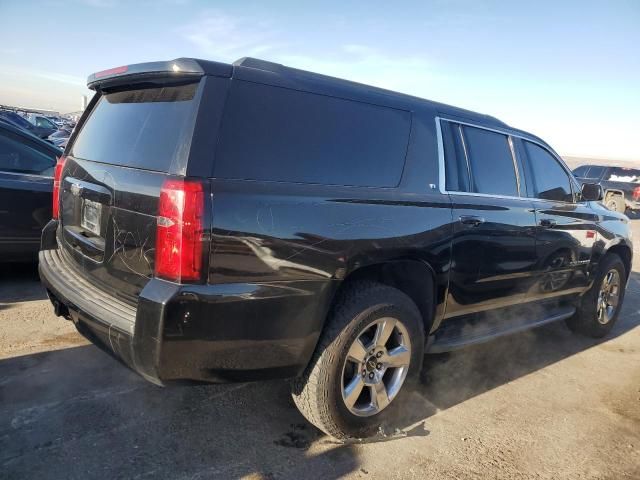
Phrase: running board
x=462 y=334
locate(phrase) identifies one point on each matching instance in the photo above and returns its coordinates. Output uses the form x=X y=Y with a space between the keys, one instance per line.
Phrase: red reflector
x=591 y=234
x=55 y=210
x=179 y=231
x=111 y=71
x=636 y=194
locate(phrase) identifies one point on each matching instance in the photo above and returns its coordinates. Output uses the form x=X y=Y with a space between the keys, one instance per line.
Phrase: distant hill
x=574 y=162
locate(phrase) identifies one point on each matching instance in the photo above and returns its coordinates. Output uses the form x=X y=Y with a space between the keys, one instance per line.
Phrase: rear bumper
x=215 y=333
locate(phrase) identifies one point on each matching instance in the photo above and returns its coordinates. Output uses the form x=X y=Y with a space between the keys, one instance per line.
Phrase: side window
x=581 y=171
x=490 y=161
x=455 y=162
x=20 y=157
x=278 y=134
x=595 y=172
x=549 y=177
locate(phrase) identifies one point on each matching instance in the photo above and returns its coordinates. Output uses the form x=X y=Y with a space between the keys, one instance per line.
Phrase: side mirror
x=592 y=192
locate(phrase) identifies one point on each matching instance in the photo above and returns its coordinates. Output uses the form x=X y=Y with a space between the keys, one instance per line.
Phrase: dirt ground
x=543 y=404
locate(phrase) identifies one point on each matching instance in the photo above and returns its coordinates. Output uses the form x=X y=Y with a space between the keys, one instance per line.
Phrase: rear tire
x=350 y=371
x=594 y=316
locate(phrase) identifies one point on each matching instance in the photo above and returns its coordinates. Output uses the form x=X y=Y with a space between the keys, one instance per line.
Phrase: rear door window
x=455 y=161
x=145 y=128
x=550 y=179
x=491 y=162
x=278 y=134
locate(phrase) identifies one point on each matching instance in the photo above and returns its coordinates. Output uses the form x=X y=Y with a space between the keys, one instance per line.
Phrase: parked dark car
x=621 y=185
x=60 y=136
x=26 y=182
x=21 y=122
x=222 y=223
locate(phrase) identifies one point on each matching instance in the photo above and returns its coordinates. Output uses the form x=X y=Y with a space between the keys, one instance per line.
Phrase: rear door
x=566 y=227
x=132 y=139
x=493 y=251
x=26 y=179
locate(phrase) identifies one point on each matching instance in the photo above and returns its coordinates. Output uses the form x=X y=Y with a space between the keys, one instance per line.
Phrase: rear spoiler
x=140 y=72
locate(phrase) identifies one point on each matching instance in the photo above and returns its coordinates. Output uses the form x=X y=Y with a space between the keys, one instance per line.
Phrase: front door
x=566 y=228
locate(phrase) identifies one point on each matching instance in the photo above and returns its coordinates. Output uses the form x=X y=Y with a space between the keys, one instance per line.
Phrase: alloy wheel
x=376 y=366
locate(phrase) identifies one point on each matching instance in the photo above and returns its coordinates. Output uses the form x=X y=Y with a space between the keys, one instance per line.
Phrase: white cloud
x=221 y=36
x=62 y=78
x=225 y=37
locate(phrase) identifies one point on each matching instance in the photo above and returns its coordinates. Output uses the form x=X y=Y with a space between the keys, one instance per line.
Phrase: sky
x=568 y=71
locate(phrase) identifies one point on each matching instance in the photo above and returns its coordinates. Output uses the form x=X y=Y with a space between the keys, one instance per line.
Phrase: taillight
x=636 y=194
x=179 y=231
x=56 y=187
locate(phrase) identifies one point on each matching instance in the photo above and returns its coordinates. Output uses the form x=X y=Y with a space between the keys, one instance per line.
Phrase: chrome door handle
x=471 y=220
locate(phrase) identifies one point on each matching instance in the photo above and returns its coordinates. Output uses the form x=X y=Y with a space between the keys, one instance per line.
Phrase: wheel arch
x=625 y=254
x=414 y=277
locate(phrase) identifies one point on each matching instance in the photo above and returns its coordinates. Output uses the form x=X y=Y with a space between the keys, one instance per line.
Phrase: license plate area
x=91 y=216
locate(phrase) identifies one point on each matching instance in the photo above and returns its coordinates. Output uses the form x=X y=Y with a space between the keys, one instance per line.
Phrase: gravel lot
x=543 y=404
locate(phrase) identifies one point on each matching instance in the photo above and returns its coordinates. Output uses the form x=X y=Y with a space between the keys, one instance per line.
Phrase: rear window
x=146 y=128
x=622 y=174
x=277 y=134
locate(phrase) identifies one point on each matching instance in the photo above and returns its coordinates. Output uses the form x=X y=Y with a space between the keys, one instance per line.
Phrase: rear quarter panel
x=311 y=237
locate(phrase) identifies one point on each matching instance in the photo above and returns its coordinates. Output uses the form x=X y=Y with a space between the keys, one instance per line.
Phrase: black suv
x=220 y=223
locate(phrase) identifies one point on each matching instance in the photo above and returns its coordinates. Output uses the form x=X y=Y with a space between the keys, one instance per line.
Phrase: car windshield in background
x=145 y=128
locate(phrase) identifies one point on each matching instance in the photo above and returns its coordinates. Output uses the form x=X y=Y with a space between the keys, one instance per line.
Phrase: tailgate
x=127 y=146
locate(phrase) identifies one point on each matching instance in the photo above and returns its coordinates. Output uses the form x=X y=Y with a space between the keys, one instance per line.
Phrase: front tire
x=370 y=349
x=600 y=306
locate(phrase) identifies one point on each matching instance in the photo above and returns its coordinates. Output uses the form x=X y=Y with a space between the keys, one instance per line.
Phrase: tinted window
x=595 y=172
x=277 y=134
x=456 y=170
x=491 y=162
x=145 y=128
x=18 y=156
x=550 y=178
x=580 y=171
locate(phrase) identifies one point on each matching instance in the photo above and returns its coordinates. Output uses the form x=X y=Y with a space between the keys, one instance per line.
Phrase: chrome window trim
x=17 y=174
x=510 y=135
x=466 y=156
x=515 y=164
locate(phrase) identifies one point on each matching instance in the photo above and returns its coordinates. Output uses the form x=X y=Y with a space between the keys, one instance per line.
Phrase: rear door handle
x=547 y=223
x=471 y=220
